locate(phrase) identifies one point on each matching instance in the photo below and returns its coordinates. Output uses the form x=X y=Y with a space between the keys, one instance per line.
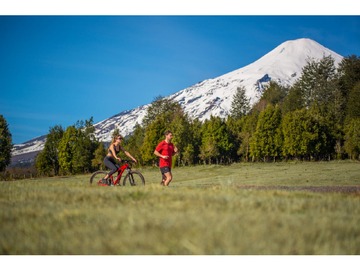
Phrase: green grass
x=206 y=210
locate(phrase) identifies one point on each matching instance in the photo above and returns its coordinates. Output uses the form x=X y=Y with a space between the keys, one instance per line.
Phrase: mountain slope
x=214 y=96
x=283 y=65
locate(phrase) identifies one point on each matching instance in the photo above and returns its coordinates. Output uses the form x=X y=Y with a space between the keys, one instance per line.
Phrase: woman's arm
x=130 y=156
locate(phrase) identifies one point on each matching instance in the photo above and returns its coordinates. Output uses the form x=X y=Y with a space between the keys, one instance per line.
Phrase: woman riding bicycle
x=111 y=157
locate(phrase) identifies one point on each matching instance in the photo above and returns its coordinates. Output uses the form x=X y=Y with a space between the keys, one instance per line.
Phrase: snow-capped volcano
x=283 y=65
x=214 y=96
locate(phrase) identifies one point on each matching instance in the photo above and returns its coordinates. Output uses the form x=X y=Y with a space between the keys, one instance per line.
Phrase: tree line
x=318 y=118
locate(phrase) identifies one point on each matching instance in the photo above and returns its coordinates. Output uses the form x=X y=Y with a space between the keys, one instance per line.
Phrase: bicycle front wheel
x=134 y=178
x=97 y=176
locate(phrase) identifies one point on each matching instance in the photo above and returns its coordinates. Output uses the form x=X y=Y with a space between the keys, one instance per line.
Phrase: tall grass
x=206 y=210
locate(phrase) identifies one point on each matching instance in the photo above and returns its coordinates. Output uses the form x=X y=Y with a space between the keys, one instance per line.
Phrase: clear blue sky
x=55 y=70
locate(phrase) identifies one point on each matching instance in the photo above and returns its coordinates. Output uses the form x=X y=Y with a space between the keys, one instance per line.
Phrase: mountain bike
x=133 y=177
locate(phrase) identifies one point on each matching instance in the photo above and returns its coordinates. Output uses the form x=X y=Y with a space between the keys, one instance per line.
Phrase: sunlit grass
x=206 y=210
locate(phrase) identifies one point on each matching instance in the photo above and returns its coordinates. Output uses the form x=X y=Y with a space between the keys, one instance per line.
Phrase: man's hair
x=167 y=132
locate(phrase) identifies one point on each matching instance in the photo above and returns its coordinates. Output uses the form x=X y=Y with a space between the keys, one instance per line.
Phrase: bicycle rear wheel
x=97 y=176
x=134 y=178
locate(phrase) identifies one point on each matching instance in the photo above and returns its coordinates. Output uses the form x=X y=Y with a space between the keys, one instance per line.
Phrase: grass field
x=246 y=208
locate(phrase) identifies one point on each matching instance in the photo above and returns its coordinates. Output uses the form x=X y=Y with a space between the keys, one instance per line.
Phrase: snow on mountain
x=124 y=121
x=36 y=144
x=283 y=65
x=214 y=96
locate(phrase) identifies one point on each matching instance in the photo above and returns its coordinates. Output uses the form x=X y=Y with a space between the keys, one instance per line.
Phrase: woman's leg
x=111 y=165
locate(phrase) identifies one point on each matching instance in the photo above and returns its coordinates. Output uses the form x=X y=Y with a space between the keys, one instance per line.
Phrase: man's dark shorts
x=164 y=170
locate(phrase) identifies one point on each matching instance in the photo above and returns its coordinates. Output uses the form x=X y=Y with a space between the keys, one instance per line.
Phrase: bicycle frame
x=133 y=177
x=120 y=171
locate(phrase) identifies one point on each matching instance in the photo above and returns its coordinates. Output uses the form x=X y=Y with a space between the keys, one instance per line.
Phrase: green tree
x=234 y=127
x=67 y=146
x=306 y=135
x=318 y=90
x=5 y=144
x=246 y=131
x=274 y=94
x=153 y=135
x=266 y=142
x=195 y=141
x=134 y=142
x=47 y=162
x=352 y=138
x=189 y=155
x=216 y=143
x=43 y=164
x=317 y=81
x=240 y=104
x=353 y=104
x=77 y=148
x=294 y=100
x=86 y=144
x=209 y=150
x=181 y=128
x=161 y=115
x=349 y=74
x=99 y=154
x=161 y=106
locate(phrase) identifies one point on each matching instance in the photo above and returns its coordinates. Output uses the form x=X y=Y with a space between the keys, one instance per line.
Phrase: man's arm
x=156 y=153
x=176 y=150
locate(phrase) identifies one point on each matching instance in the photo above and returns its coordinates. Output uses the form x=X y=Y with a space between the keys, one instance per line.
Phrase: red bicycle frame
x=120 y=171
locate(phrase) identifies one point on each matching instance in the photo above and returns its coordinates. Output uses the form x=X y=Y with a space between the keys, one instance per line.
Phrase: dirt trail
x=338 y=189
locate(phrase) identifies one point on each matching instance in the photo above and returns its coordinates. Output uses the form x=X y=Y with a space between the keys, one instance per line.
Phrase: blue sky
x=55 y=70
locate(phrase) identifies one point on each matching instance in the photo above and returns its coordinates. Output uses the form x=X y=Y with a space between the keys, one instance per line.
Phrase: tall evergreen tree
x=274 y=94
x=349 y=74
x=240 y=104
x=234 y=128
x=294 y=100
x=67 y=147
x=161 y=106
x=316 y=81
x=5 y=144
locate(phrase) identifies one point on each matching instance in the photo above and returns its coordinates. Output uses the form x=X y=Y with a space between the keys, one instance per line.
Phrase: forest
x=318 y=118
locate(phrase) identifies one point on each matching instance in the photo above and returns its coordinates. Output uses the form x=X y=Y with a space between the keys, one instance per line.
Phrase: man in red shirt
x=165 y=150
